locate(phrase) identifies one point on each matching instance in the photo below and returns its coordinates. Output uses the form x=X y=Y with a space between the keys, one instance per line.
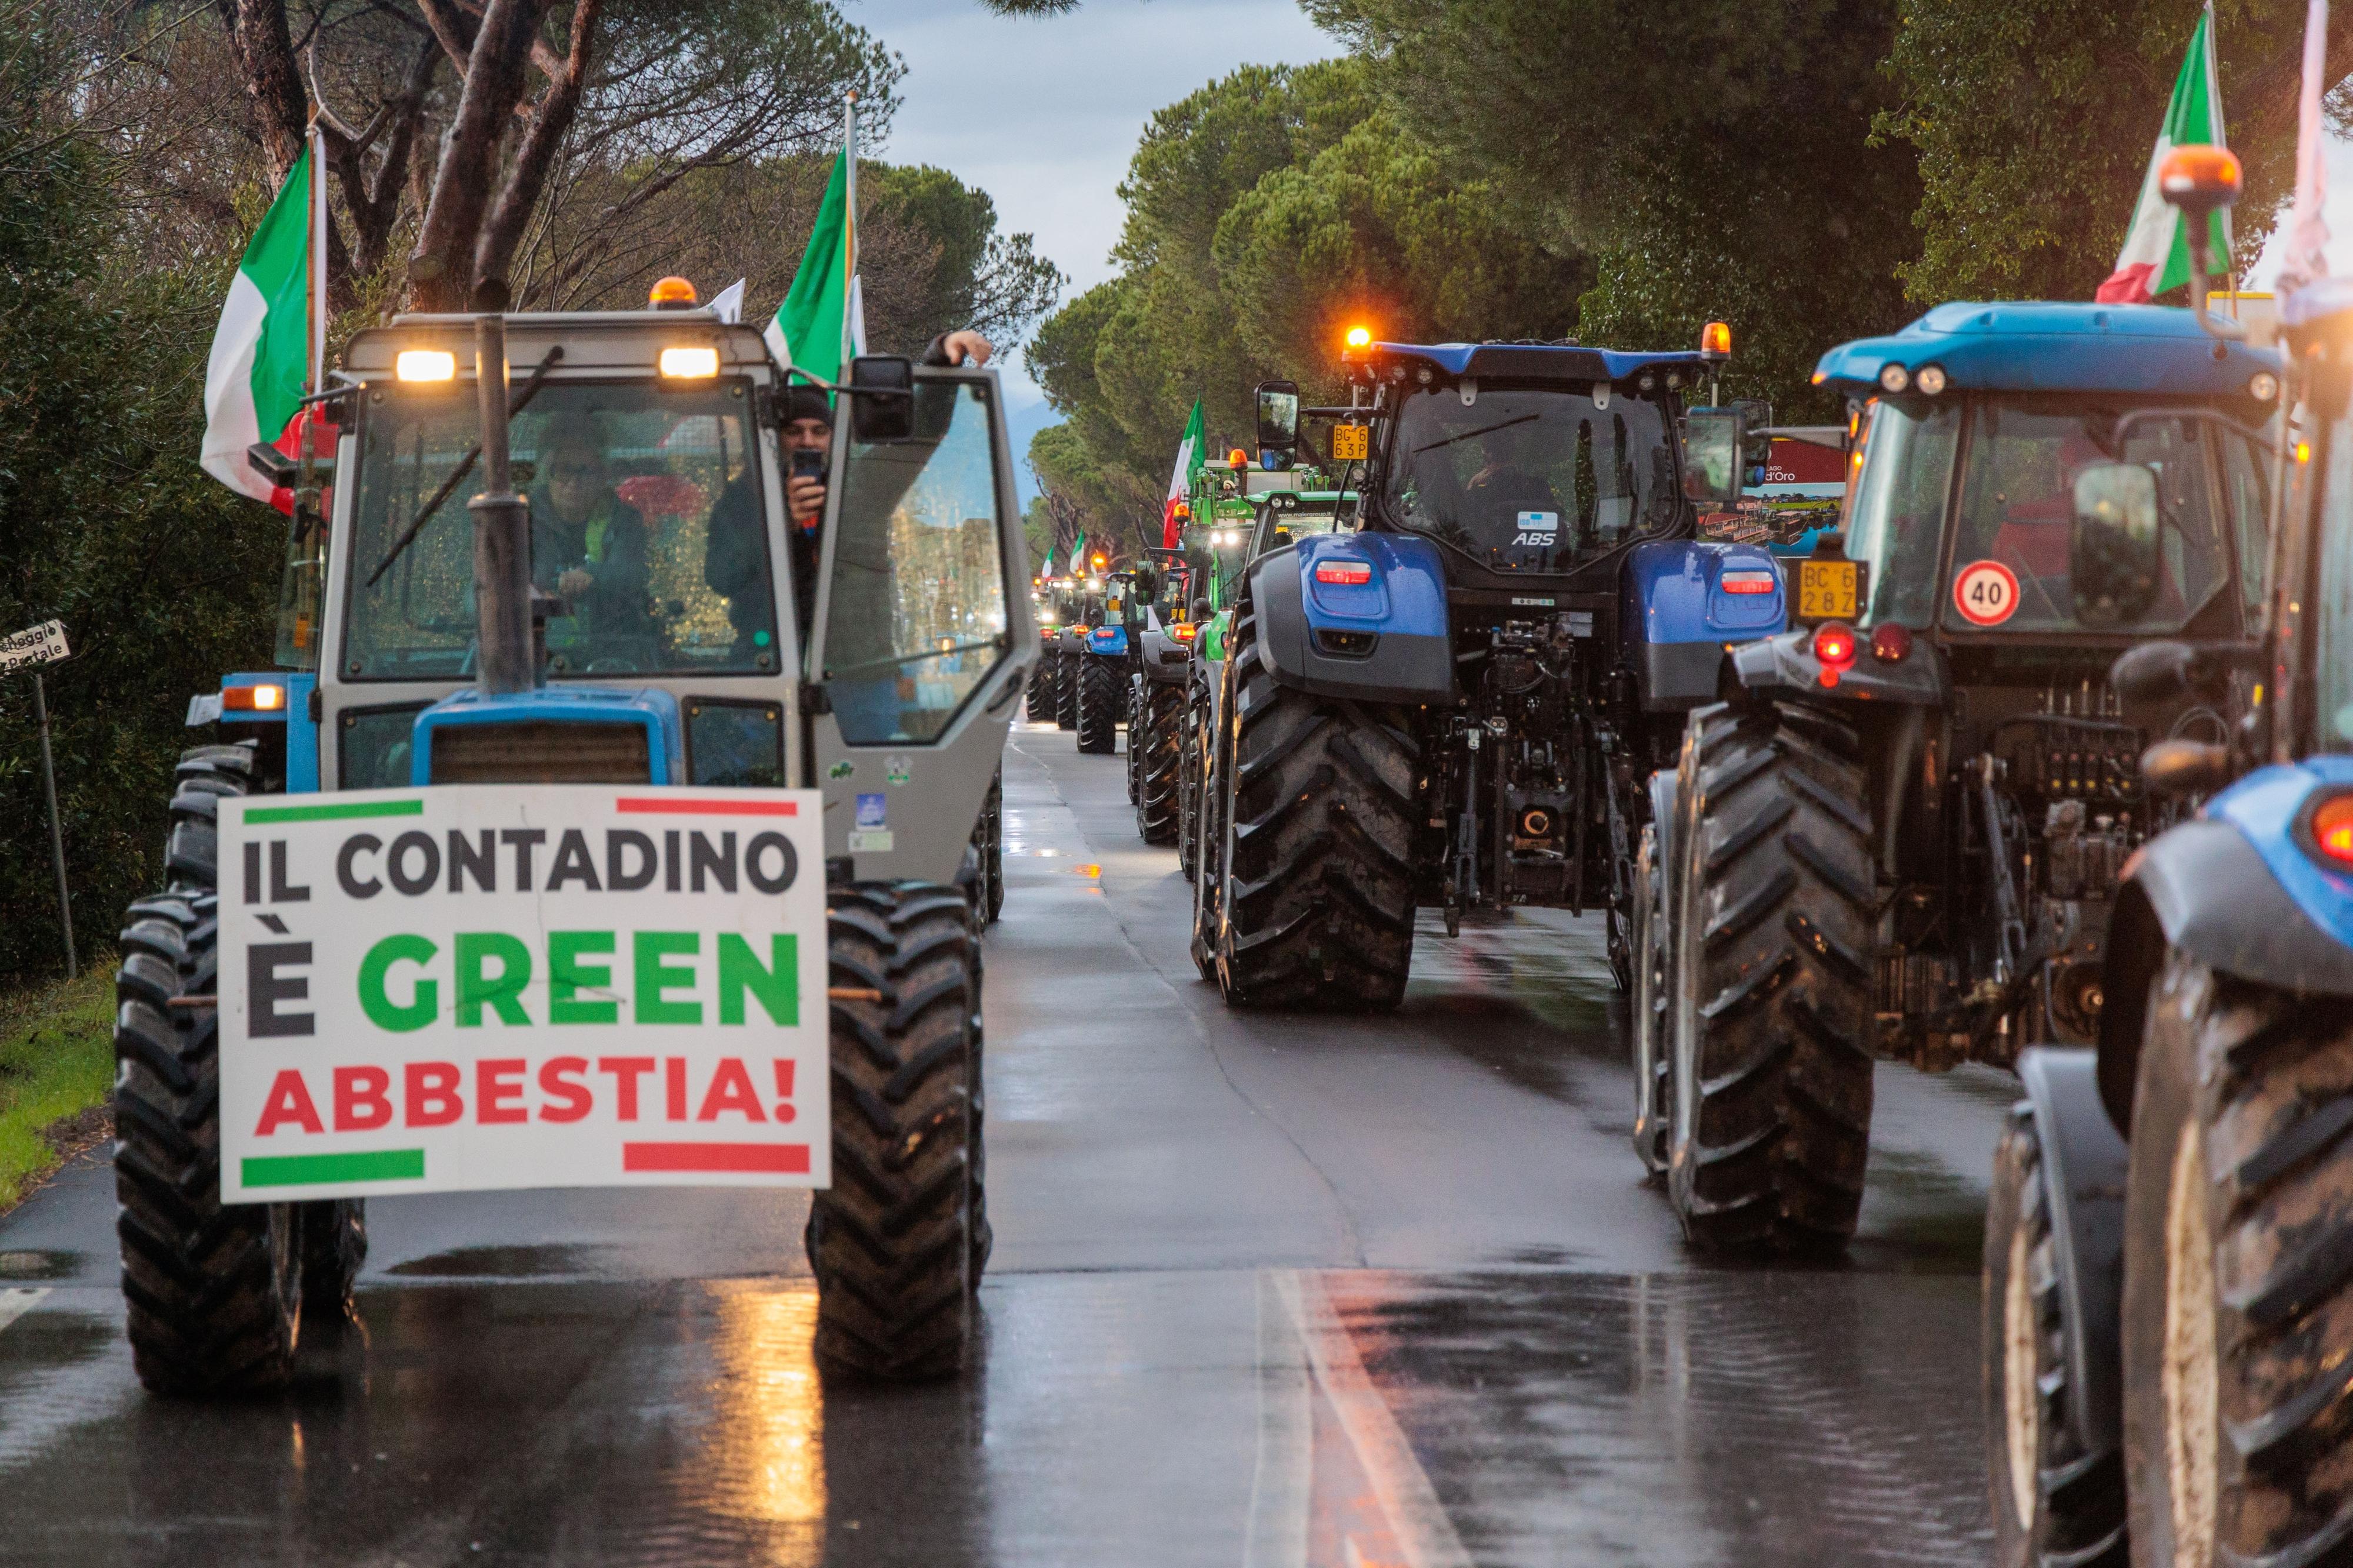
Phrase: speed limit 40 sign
x=1986 y=593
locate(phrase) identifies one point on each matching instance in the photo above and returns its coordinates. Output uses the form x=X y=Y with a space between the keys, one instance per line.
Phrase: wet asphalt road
x=1267 y=1292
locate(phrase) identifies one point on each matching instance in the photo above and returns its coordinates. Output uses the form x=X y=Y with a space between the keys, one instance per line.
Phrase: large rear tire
x=1134 y=754
x=1157 y=746
x=1316 y=895
x=1772 y=951
x=2238 y=1292
x=1099 y=704
x=894 y=1241
x=2053 y=1501
x=213 y=1293
x=1066 y=690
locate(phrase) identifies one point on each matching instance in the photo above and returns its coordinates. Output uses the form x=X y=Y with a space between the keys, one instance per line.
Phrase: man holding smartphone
x=736 y=560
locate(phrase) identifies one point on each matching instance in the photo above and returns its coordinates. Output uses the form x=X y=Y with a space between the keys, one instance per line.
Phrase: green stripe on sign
x=337 y=812
x=312 y=1170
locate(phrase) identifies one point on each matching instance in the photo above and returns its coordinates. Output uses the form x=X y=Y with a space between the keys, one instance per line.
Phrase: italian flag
x=2156 y=256
x=824 y=316
x=268 y=341
x=1189 y=459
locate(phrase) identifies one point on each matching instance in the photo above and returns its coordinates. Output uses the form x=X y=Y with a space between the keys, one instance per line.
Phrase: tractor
x=1452 y=704
x=617 y=622
x=2167 y=1324
x=1160 y=636
x=1899 y=835
x=1095 y=656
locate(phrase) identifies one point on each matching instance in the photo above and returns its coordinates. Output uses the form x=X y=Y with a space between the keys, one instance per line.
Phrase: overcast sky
x=1044 y=113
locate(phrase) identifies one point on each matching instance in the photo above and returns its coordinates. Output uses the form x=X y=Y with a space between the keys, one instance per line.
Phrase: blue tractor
x=1899 y=836
x=1096 y=660
x=1453 y=704
x=627 y=607
x=2168 y=1306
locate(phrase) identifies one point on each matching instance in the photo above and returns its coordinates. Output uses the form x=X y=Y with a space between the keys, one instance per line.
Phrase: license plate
x=1352 y=443
x=1825 y=590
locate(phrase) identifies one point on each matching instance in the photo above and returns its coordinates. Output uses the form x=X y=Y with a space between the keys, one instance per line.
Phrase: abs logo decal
x=1986 y=593
x=1538 y=528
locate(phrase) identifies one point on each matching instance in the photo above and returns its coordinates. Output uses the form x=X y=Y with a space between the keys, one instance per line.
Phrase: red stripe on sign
x=707 y=808
x=777 y=1159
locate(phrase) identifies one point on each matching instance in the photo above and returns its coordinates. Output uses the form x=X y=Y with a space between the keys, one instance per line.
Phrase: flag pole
x=849 y=228
x=318 y=143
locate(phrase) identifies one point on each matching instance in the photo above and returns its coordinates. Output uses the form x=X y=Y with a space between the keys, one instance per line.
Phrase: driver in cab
x=588 y=546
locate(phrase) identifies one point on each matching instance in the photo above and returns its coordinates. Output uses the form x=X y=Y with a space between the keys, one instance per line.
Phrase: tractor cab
x=1982 y=430
x=669 y=643
x=1526 y=460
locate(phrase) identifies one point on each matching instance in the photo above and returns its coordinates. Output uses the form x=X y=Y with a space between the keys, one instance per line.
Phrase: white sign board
x=44 y=644
x=492 y=987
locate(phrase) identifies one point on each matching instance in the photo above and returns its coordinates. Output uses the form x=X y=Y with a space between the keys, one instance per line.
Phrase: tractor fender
x=2084 y=1158
x=1678 y=610
x=1163 y=659
x=2236 y=890
x=1786 y=663
x=1356 y=615
x=1108 y=641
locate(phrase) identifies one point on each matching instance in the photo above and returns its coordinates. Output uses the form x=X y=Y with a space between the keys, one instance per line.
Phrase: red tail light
x=1890 y=642
x=2332 y=830
x=1834 y=645
x=1354 y=573
x=1750 y=582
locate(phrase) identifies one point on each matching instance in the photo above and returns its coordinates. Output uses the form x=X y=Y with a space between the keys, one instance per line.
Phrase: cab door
x=921 y=637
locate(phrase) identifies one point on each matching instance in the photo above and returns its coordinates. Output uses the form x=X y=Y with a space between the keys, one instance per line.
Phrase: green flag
x=808 y=331
x=261 y=350
x=2156 y=255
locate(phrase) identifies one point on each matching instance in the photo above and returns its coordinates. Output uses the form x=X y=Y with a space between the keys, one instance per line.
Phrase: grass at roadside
x=57 y=1063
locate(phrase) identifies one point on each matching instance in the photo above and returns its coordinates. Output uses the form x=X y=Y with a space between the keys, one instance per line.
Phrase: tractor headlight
x=2263 y=386
x=689 y=364
x=1893 y=377
x=1931 y=379
x=425 y=365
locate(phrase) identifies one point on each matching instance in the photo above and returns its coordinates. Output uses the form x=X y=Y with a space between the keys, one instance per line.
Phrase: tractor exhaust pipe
x=503 y=661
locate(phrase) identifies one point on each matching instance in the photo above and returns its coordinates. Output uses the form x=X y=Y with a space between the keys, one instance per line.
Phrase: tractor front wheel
x=897 y=1241
x=2053 y=1501
x=2238 y=1299
x=214 y=1293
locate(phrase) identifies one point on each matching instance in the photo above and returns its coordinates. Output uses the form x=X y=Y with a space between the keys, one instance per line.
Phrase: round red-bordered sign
x=1986 y=593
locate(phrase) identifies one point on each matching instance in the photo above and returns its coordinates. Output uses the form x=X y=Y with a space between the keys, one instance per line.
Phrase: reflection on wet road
x=1268 y=1291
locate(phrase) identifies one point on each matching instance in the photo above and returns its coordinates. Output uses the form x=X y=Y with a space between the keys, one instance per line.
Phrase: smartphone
x=807 y=465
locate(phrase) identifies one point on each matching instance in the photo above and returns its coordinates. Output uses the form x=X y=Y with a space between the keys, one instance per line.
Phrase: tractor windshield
x=1530 y=478
x=2007 y=566
x=646 y=522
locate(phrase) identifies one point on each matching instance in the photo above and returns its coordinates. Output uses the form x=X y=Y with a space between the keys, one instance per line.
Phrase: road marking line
x=16 y=1302
x=1280 y=1485
x=1416 y=1518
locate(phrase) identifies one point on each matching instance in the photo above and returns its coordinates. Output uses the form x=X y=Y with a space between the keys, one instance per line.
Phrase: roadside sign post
x=35 y=646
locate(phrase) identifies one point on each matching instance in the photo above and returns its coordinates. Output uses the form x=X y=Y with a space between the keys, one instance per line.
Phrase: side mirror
x=2113 y=563
x=881 y=398
x=1711 y=439
x=1278 y=415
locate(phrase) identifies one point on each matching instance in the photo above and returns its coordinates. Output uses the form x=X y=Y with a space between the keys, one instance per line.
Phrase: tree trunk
x=549 y=124
x=440 y=269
